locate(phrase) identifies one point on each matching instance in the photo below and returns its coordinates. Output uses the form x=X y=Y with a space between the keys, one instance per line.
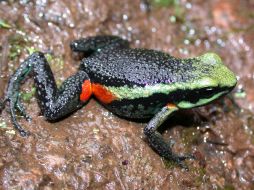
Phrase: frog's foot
x=13 y=95
x=20 y=107
x=157 y=142
x=165 y=150
x=13 y=106
x=179 y=160
x=21 y=131
x=171 y=143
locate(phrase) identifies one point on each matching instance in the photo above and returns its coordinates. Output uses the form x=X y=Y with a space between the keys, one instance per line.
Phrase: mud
x=94 y=149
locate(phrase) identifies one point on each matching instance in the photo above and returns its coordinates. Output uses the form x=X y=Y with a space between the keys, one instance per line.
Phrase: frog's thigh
x=74 y=92
x=54 y=103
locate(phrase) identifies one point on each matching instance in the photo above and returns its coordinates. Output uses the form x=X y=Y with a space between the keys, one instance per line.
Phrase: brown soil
x=94 y=149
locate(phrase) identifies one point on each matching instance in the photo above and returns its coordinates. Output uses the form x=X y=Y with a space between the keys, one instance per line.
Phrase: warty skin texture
x=132 y=83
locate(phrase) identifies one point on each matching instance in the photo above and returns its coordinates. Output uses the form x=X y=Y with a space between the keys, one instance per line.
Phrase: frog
x=132 y=83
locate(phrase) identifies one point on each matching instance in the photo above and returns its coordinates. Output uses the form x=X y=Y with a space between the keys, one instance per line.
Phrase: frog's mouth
x=202 y=97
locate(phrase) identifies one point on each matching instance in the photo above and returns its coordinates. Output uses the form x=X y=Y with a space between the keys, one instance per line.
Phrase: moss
x=169 y=164
x=31 y=50
x=26 y=96
x=249 y=129
x=17 y=44
x=243 y=29
x=190 y=136
x=56 y=64
x=179 y=13
x=164 y=3
x=59 y=63
x=201 y=175
x=4 y=24
x=49 y=57
x=15 y=52
x=227 y=187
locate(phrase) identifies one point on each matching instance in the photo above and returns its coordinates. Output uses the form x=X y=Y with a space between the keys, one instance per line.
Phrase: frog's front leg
x=156 y=140
x=54 y=103
x=94 y=44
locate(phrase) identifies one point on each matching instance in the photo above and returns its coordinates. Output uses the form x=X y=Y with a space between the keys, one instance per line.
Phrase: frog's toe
x=182 y=164
x=19 y=106
x=186 y=157
x=171 y=143
x=22 y=111
x=24 y=133
x=15 y=105
x=179 y=160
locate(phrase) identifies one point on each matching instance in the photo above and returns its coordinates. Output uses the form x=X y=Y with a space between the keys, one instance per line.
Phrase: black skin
x=118 y=62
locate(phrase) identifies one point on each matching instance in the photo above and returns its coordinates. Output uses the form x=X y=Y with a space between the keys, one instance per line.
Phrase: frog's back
x=123 y=79
x=135 y=67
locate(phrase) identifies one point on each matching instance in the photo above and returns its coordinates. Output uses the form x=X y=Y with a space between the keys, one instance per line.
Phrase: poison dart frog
x=131 y=83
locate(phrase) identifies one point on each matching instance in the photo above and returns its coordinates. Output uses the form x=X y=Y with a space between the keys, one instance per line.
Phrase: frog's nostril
x=74 y=45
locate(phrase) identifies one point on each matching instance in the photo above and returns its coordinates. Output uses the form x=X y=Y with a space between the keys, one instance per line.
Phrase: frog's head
x=212 y=80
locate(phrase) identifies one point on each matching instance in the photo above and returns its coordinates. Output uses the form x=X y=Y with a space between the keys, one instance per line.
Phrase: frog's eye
x=206 y=92
x=209 y=89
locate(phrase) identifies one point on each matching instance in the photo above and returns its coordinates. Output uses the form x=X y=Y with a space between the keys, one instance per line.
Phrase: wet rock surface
x=94 y=149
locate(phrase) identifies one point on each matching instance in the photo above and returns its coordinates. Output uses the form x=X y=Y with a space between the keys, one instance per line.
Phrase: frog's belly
x=136 y=109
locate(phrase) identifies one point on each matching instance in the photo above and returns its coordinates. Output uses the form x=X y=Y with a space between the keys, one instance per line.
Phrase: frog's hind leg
x=94 y=44
x=156 y=140
x=54 y=103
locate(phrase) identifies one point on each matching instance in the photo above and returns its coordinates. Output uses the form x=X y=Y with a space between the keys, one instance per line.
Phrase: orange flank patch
x=86 y=91
x=102 y=94
x=171 y=106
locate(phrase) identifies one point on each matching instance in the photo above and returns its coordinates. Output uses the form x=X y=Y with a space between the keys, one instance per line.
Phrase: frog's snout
x=74 y=45
x=226 y=77
x=219 y=74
